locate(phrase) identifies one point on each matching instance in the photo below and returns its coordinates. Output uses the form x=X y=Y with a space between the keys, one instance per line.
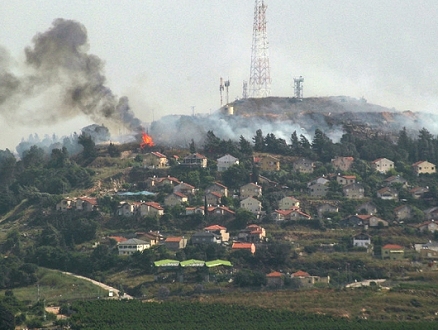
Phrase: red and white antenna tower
x=260 y=75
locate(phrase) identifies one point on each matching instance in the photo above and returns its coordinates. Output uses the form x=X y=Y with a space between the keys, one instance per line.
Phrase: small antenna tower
x=298 y=87
x=227 y=84
x=221 y=88
x=260 y=74
x=245 y=90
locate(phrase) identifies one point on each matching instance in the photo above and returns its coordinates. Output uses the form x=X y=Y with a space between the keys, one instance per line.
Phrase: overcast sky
x=168 y=55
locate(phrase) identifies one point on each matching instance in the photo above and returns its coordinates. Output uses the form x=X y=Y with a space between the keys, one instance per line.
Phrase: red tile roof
x=393 y=247
x=158 y=154
x=238 y=245
x=274 y=274
x=301 y=273
x=215 y=227
x=173 y=239
x=118 y=239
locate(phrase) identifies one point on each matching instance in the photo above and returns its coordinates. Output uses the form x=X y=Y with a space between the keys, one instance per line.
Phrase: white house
x=225 y=162
x=132 y=245
x=251 y=204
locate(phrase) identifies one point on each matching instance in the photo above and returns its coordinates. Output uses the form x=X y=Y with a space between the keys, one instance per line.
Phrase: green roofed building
x=192 y=263
x=166 y=263
x=218 y=262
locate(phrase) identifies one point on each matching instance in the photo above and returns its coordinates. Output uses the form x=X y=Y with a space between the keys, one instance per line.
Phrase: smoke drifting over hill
x=58 y=81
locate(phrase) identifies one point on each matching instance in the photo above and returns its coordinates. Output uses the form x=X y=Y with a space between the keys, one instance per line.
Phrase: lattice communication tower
x=260 y=75
x=298 y=87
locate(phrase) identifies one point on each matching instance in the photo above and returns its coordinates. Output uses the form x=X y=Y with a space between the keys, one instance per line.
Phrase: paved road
x=103 y=286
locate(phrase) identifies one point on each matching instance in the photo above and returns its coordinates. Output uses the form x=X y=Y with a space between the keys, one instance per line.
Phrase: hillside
x=282 y=116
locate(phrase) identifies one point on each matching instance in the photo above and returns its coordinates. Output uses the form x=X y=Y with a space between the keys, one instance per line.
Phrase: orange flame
x=146 y=140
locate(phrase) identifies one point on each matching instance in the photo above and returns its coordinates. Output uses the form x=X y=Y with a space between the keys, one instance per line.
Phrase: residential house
x=190 y=210
x=281 y=215
x=221 y=210
x=418 y=192
x=219 y=230
x=117 y=239
x=403 y=212
x=306 y=280
x=288 y=202
x=185 y=188
x=154 y=237
x=126 y=209
x=423 y=167
x=430 y=226
x=354 y=191
x=175 y=199
x=225 y=162
x=264 y=180
x=206 y=237
x=342 y=163
x=219 y=188
x=65 y=204
x=393 y=252
x=428 y=250
x=87 y=204
x=250 y=190
x=175 y=243
x=252 y=205
x=396 y=179
x=155 y=160
x=195 y=160
x=275 y=279
x=382 y=165
x=297 y=214
x=387 y=193
x=213 y=198
x=291 y=214
x=364 y=220
x=154 y=182
x=326 y=208
x=252 y=233
x=145 y=209
x=367 y=208
x=132 y=246
x=343 y=180
x=321 y=180
x=431 y=213
x=362 y=240
x=269 y=163
x=318 y=189
x=303 y=165
x=244 y=246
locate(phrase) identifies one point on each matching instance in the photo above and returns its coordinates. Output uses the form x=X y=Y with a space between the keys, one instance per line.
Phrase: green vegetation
x=34 y=235
x=101 y=315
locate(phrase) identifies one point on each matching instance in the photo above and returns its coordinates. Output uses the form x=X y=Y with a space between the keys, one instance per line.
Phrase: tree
x=245 y=146
x=236 y=176
x=259 y=141
x=34 y=157
x=192 y=147
x=89 y=152
x=113 y=150
x=211 y=145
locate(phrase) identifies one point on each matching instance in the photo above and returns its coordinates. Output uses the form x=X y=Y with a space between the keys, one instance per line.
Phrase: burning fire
x=146 y=140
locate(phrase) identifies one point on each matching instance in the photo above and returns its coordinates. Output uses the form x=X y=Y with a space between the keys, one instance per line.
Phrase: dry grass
x=352 y=303
x=55 y=287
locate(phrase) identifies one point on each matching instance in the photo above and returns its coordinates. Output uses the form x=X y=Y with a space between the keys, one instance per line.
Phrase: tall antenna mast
x=260 y=75
x=245 y=90
x=227 y=84
x=221 y=89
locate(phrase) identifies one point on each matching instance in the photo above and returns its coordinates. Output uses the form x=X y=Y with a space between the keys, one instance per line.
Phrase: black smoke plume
x=60 y=80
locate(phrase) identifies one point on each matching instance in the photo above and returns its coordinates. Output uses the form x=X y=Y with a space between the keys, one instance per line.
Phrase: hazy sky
x=168 y=55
